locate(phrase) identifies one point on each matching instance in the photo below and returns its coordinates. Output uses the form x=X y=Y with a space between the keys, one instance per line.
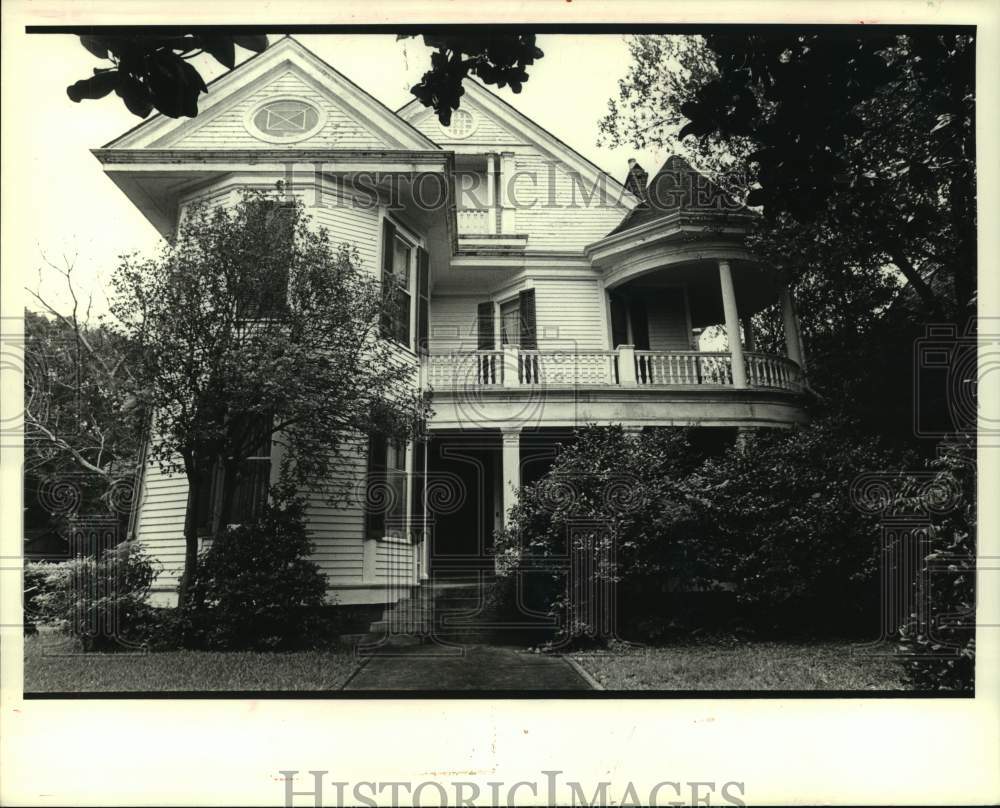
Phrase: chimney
x=637 y=179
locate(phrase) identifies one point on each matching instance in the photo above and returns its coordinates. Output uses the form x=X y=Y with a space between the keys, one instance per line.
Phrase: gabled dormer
x=519 y=187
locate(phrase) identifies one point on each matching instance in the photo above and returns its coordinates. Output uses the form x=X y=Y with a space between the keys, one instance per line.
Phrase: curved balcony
x=624 y=367
x=517 y=388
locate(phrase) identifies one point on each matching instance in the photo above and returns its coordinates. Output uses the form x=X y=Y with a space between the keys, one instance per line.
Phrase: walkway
x=430 y=667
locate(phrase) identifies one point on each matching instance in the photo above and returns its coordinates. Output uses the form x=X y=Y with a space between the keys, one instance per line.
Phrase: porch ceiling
x=756 y=287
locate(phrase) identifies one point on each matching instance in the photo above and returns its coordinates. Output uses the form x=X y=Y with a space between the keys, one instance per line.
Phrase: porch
x=622 y=367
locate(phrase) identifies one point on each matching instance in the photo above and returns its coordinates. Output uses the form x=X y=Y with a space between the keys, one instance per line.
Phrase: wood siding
x=227 y=130
x=488 y=131
x=567 y=214
x=349 y=221
x=334 y=513
x=569 y=316
x=453 y=323
x=159 y=524
x=336 y=516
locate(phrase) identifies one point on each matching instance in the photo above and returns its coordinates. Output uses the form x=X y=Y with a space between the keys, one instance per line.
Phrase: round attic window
x=462 y=124
x=284 y=120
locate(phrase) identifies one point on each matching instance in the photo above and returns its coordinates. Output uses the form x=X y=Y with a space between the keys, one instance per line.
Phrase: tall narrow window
x=236 y=493
x=375 y=499
x=510 y=323
x=619 y=320
x=396 y=476
x=385 y=505
x=397 y=255
x=528 y=336
x=253 y=474
x=265 y=290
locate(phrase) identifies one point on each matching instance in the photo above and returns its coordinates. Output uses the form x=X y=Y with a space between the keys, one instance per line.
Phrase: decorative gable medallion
x=284 y=120
x=463 y=124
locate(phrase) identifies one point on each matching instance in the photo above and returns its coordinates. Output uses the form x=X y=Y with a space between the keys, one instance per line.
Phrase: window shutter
x=388 y=282
x=423 y=301
x=640 y=325
x=485 y=326
x=529 y=336
x=375 y=493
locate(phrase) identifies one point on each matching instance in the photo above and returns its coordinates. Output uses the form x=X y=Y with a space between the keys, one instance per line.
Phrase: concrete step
x=453 y=608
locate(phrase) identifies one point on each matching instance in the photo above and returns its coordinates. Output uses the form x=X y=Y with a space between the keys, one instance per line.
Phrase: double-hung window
x=397 y=272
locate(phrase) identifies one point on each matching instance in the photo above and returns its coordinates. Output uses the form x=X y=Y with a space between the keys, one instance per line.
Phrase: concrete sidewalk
x=425 y=667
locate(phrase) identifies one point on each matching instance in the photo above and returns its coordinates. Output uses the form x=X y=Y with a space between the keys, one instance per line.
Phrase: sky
x=75 y=213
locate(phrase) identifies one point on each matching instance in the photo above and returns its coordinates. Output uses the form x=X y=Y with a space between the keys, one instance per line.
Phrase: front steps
x=455 y=609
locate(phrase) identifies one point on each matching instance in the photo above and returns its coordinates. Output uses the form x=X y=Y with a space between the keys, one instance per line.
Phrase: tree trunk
x=190 y=533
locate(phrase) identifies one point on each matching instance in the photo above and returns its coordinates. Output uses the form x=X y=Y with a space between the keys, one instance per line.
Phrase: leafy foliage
x=255 y=589
x=254 y=316
x=860 y=148
x=622 y=500
x=497 y=59
x=780 y=518
x=100 y=600
x=771 y=521
x=152 y=71
x=942 y=644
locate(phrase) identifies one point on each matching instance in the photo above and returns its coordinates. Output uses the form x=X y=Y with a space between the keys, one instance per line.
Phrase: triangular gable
x=353 y=119
x=488 y=131
x=512 y=123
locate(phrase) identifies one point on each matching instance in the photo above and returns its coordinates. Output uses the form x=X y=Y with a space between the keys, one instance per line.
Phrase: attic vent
x=284 y=120
x=463 y=124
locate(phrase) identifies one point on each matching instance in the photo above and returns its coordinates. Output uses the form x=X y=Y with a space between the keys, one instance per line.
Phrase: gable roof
x=256 y=70
x=516 y=120
x=678 y=188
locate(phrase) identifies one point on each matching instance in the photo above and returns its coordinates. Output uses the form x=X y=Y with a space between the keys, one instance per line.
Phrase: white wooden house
x=544 y=294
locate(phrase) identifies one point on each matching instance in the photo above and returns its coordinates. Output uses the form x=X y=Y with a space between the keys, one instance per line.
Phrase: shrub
x=255 y=589
x=621 y=499
x=941 y=645
x=779 y=514
x=36 y=575
x=771 y=523
x=101 y=600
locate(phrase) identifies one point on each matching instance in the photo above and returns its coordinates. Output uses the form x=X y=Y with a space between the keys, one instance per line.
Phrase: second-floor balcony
x=514 y=367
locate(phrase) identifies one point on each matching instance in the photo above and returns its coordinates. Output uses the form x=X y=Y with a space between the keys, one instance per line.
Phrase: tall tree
x=255 y=328
x=81 y=424
x=859 y=147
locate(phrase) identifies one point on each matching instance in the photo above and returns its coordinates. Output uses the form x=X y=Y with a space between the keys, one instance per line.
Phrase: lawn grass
x=54 y=666
x=731 y=665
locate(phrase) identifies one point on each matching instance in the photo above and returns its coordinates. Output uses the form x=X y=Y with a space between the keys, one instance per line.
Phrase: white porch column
x=732 y=324
x=491 y=199
x=510 y=460
x=507 y=171
x=793 y=339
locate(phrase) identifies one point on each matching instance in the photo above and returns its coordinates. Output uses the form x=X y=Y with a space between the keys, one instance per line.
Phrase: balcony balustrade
x=512 y=367
x=474 y=221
